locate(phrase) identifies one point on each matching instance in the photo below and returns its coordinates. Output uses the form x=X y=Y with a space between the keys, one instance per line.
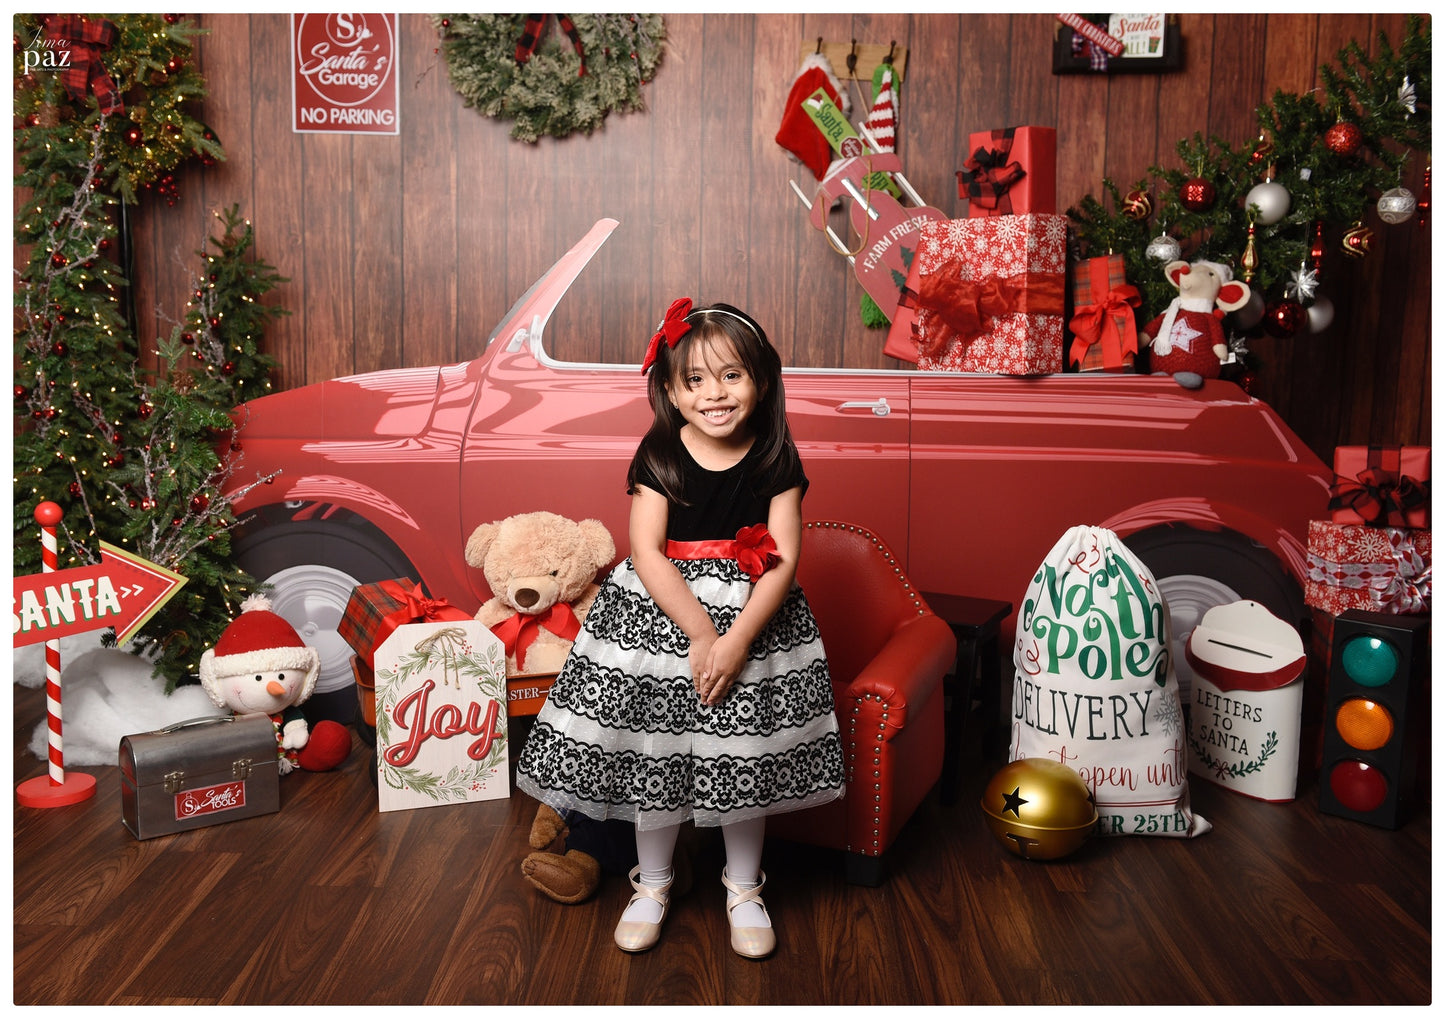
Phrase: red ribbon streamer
x=1099 y=322
x=519 y=631
x=536 y=28
x=86 y=40
x=964 y=306
x=754 y=549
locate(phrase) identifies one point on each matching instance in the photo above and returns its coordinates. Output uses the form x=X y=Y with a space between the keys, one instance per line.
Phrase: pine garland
x=1388 y=98
x=547 y=95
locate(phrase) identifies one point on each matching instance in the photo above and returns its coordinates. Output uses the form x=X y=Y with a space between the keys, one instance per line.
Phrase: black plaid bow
x=536 y=28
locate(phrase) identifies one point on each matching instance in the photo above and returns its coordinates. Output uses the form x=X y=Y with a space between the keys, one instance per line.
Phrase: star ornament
x=1302 y=284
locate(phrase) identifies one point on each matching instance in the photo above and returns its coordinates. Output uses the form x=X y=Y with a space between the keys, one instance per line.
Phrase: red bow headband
x=673 y=328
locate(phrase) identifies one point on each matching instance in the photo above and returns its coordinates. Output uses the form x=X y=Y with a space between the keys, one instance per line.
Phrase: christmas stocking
x=797 y=133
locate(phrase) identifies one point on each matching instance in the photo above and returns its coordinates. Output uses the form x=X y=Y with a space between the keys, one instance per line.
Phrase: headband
x=674 y=326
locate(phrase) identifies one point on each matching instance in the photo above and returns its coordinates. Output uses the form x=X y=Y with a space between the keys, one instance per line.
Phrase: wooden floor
x=329 y=901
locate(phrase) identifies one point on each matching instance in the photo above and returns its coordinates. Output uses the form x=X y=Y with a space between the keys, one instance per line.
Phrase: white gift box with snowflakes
x=441 y=715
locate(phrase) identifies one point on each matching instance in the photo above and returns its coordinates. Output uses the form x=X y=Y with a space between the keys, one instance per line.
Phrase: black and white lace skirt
x=623 y=734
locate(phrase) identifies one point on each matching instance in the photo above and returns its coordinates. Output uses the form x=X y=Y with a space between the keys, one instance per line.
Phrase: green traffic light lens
x=1369 y=661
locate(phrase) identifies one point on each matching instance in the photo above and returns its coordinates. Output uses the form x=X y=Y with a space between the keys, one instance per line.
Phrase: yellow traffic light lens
x=1363 y=724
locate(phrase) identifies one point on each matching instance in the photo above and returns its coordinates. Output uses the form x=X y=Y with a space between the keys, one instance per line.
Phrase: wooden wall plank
x=329 y=235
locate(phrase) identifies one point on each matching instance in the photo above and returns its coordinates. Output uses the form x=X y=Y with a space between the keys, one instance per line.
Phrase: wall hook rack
x=857 y=60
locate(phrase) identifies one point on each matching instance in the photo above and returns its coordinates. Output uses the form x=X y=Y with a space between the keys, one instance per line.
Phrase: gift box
x=985 y=295
x=1378 y=569
x=1106 y=335
x=374 y=611
x=1383 y=486
x=1010 y=172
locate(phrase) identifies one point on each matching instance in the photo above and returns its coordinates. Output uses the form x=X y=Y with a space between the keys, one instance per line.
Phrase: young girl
x=698 y=688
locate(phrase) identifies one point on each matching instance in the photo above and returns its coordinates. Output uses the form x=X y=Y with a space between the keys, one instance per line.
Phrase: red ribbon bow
x=517 y=632
x=757 y=553
x=85 y=72
x=963 y=306
x=1099 y=323
x=673 y=328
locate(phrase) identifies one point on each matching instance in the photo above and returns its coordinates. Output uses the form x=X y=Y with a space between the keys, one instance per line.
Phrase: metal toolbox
x=199 y=772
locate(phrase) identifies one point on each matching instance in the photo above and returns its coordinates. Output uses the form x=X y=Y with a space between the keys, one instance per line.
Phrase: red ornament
x=1344 y=138
x=1317 y=246
x=200 y=503
x=1357 y=240
x=20 y=392
x=174 y=64
x=188 y=338
x=61 y=349
x=171 y=19
x=74 y=489
x=58 y=259
x=1422 y=204
x=228 y=368
x=143 y=411
x=1282 y=319
x=1197 y=194
x=1262 y=150
x=133 y=137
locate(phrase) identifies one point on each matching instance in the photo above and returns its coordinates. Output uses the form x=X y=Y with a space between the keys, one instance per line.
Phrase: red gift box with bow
x=374 y=611
x=985 y=295
x=1103 y=325
x=1382 y=486
x=1377 y=569
x=1010 y=172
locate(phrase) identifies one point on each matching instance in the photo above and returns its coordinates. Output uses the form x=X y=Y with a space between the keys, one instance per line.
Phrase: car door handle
x=879 y=406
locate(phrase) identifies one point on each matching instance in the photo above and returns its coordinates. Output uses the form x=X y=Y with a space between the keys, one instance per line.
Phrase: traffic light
x=1374 y=713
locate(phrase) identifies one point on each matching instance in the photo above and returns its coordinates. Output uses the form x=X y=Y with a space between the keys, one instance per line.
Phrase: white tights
x=743 y=841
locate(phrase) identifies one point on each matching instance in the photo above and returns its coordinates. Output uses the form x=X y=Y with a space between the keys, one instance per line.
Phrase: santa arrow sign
x=123 y=591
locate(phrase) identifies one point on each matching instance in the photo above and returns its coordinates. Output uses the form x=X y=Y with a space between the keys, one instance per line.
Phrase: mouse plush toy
x=260 y=664
x=1187 y=340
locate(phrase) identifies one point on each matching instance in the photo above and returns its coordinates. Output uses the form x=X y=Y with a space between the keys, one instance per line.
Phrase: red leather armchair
x=887 y=653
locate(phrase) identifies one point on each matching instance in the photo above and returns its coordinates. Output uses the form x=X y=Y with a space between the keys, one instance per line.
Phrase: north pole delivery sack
x=1094 y=687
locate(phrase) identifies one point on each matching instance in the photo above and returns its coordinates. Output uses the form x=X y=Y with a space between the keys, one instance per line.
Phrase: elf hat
x=256 y=642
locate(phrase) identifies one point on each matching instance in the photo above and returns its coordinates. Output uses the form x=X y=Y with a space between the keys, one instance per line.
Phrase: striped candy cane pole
x=53 y=790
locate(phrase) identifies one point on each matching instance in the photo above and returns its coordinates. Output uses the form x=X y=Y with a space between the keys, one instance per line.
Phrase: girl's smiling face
x=715 y=394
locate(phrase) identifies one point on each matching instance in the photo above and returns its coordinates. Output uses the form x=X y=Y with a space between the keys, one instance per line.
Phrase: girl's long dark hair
x=661 y=451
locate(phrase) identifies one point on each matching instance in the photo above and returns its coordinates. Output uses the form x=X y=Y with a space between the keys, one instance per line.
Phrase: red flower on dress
x=673 y=328
x=757 y=553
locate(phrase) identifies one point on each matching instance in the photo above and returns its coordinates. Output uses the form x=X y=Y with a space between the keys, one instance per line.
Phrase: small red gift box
x=1378 y=569
x=985 y=295
x=1103 y=325
x=374 y=611
x=1010 y=172
x=1384 y=486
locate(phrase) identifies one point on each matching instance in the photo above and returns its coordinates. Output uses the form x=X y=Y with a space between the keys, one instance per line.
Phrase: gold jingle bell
x=1039 y=809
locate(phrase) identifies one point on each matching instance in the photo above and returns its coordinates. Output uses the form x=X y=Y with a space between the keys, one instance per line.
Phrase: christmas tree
x=1269 y=208
x=133 y=459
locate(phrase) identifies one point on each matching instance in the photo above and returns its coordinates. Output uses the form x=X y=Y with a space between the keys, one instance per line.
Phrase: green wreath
x=528 y=68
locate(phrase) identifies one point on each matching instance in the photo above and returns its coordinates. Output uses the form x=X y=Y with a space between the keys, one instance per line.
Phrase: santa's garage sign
x=343 y=74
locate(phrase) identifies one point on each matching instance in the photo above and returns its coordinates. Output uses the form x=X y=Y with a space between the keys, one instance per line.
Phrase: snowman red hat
x=259 y=641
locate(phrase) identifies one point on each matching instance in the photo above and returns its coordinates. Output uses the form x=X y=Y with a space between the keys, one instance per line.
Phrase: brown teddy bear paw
x=567 y=879
x=547 y=827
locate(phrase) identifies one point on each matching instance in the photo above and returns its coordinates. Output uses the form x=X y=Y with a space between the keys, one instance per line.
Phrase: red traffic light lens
x=1358 y=786
x=1363 y=724
x=1369 y=661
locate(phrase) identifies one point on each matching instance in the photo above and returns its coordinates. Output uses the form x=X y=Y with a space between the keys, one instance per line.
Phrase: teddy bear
x=574 y=851
x=1187 y=340
x=260 y=664
x=542 y=570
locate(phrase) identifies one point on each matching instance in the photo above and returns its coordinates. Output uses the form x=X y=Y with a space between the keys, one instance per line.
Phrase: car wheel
x=1197 y=570
x=310 y=568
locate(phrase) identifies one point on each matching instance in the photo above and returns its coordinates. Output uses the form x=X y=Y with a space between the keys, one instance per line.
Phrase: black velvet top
x=721 y=502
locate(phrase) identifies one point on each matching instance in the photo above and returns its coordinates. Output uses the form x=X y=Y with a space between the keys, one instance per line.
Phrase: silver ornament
x=1249 y=316
x=1163 y=249
x=1320 y=314
x=1407 y=95
x=1396 y=205
x=1302 y=284
x=1272 y=199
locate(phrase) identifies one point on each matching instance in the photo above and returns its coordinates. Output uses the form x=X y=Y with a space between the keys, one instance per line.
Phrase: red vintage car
x=970 y=478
